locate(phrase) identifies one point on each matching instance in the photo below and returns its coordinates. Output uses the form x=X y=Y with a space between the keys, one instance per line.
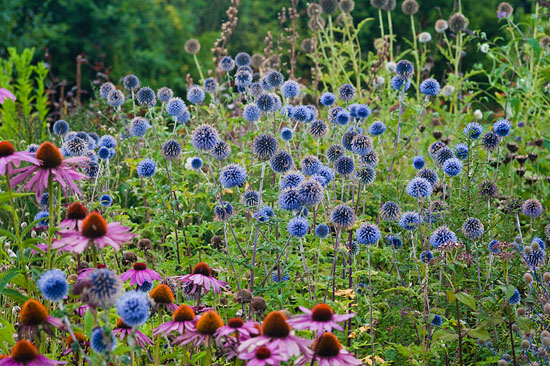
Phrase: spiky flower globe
x=310 y=165
x=502 y=127
x=377 y=128
x=53 y=285
x=115 y=98
x=100 y=343
x=461 y=151
x=251 y=112
x=458 y=23
x=61 y=127
x=327 y=99
x=192 y=46
x=366 y=175
x=264 y=146
x=221 y=151
x=133 y=308
x=292 y=180
x=204 y=137
x=281 y=162
x=139 y=126
x=442 y=235
x=409 y=7
x=223 y=211
x=419 y=188
x=290 y=89
x=164 y=94
x=531 y=208
x=298 y=227
x=226 y=64
x=310 y=192
x=490 y=141
x=131 y=82
x=171 y=150
x=146 y=168
x=342 y=216
x=346 y=92
x=473 y=130
x=105 y=89
x=443 y=155
x=318 y=129
x=430 y=87
x=426 y=257
x=322 y=231
x=195 y=94
x=398 y=83
x=232 y=175
x=329 y=6
x=441 y=26
x=344 y=165
x=251 y=198
x=390 y=211
x=418 y=162
x=404 y=69
x=146 y=97
x=410 y=220
x=361 y=145
x=334 y=152
x=175 y=107
x=473 y=228
x=265 y=103
x=452 y=167
x=367 y=234
x=289 y=200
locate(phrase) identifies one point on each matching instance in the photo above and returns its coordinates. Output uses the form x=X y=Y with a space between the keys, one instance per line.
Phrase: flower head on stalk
x=24 y=353
x=75 y=213
x=140 y=274
x=9 y=157
x=202 y=277
x=69 y=342
x=163 y=297
x=206 y=328
x=328 y=352
x=123 y=330
x=183 y=320
x=236 y=326
x=319 y=319
x=267 y=355
x=34 y=316
x=94 y=230
x=50 y=162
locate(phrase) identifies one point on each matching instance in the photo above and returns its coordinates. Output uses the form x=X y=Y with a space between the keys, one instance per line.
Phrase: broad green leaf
x=479 y=333
x=444 y=335
x=467 y=300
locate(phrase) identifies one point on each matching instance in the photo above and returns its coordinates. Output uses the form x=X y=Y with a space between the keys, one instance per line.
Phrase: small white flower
x=424 y=37
x=188 y=164
x=447 y=90
x=11 y=253
x=378 y=81
x=390 y=66
x=478 y=115
x=484 y=48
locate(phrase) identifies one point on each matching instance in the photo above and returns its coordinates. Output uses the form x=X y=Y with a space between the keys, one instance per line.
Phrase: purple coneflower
x=163 y=297
x=328 y=352
x=80 y=338
x=123 y=330
x=34 y=315
x=24 y=353
x=9 y=157
x=206 y=327
x=202 y=277
x=140 y=274
x=319 y=319
x=237 y=326
x=75 y=213
x=183 y=320
x=262 y=356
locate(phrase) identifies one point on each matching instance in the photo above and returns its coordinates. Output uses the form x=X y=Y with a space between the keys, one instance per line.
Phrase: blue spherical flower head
x=426 y=257
x=45 y=200
x=146 y=168
x=107 y=141
x=32 y=148
x=397 y=83
x=292 y=180
x=327 y=173
x=226 y=64
x=289 y=200
x=204 y=137
x=333 y=113
x=146 y=97
x=473 y=130
x=131 y=82
x=334 y=152
x=264 y=146
x=390 y=211
x=133 y=308
x=327 y=99
x=242 y=59
x=94 y=136
x=366 y=175
x=195 y=94
x=281 y=162
x=92 y=169
x=60 y=127
x=251 y=198
x=473 y=228
x=43 y=216
x=104 y=153
x=344 y=165
x=232 y=175
x=300 y=113
x=538 y=241
x=532 y=208
x=347 y=139
x=298 y=227
x=493 y=247
x=442 y=235
x=370 y=159
x=265 y=103
x=105 y=89
x=367 y=234
x=490 y=141
x=139 y=126
x=362 y=111
x=105 y=288
x=318 y=129
x=164 y=94
x=429 y=175
x=393 y=241
x=443 y=155
x=322 y=231
x=290 y=89
x=221 y=151
x=461 y=151
x=452 y=167
x=515 y=298
x=346 y=92
x=243 y=79
x=310 y=192
x=99 y=341
x=310 y=165
x=76 y=146
x=196 y=162
x=105 y=200
x=430 y=87
x=274 y=79
x=377 y=128
x=404 y=69
x=224 y=211
x=342 y=216
x=210 y=85
x=419 y=188
x=342 y=118
x=251 y=112
x=502 y=127
x=361 y=144
x=115 y=98
x=53 y=285
x=286 y=134
x=145 y=287
x=171 y=150
x=437 y=320
x=418 y=162
x=255 y=89
x=175 y=107
x=410 y=220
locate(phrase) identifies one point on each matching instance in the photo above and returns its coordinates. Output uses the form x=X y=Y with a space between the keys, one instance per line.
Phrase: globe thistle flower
x=146 y=168
x=251 y=198
x=286 y=134
x=442 y=235
x=310 y=165
x=334 y=152
x=404 y=69
x=458 y=23
x=105 y=200
x=264 y=146
x=502 y=127
x=264 y=214
x=281 y=162
x=297 y=227
x=243 y=78
x=146 y=97
x=223 y=211
x=232 y=175
x=531 y=208
x=318 y=129
x=435 y=147
x=139 y=126
x=366 y=175
x=314 y=9
x=175 y=107
x=92 y=170
x=430 y=87
x=322 y=231
x=309 y=45
x=104 y=153
x=343 y=117
x=367 y=234
x=301 y=113
x=104 y=288
x=310 y=192
x=493 y=247
x=390 y=211
x=242 y=59
x=389 y=5
x=192 y=46
x=32 y=149
x=370 y=159
x=171 y=150
x=461 y=151
x=473 y=228
x=342 y=216
x=251 y=112
x=488 y=189
x=419 y=187
x=115 y=98
x=265 y=103
x=379 y=4
x=377 y=128
x=361 y=145
x=504 y=10
x=397 y=83
x=410 y=220
x=443 y=155
x=327 y=99
x=130 y=82
x=100 y=343
x=346 y=92
x=221 y=151
x=43 y=216
x=515 y=298
x=210 y=85
x=538 y=243
x=45 y=200
x=226 y=64
x=204 y=137
x=344 y=165
x=292 y=180
x=409 y=7
x=164 y=94
x=75 y=146
x=347 y=139
x=490 y=141
x=426 y=257
x=441 y=26
x=429 y=175
x=346 y=6
x=289 y=200
x=133 y=308
x=424 y=37
x=105 y=89
x=60 y=127
x=255 y=89
x=418 y=162
x=290 y=89
x=195 y=94
x=274 y=79
x=452 y=167
x=328 y=6
x=53 y=285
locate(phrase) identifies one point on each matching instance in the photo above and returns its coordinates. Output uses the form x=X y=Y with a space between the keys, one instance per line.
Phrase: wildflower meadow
x=315 y=201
